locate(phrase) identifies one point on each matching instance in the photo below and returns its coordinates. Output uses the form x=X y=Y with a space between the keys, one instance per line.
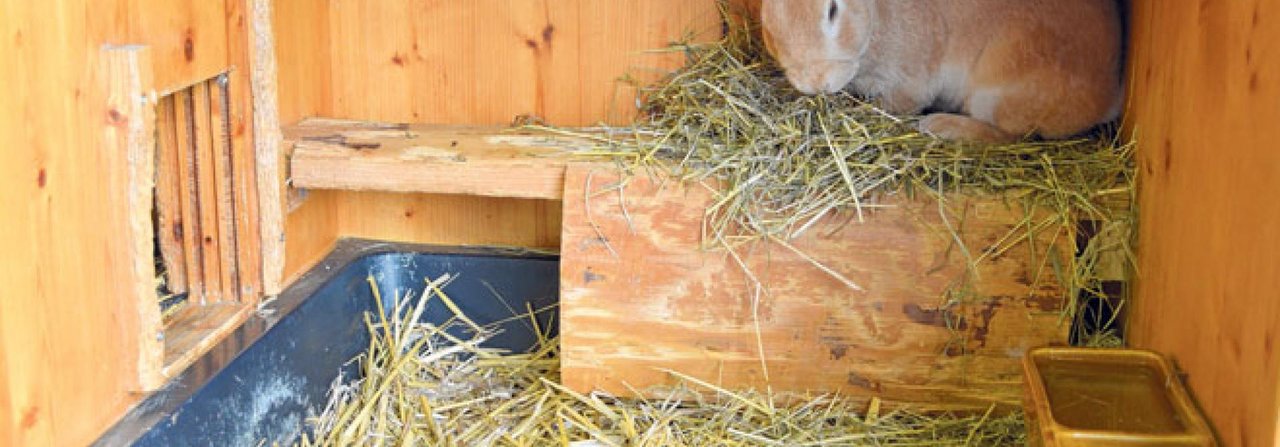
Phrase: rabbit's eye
x=832 y=11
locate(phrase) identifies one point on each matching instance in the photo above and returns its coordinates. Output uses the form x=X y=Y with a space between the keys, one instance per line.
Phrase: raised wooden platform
x=641 y=298
x=482 y=161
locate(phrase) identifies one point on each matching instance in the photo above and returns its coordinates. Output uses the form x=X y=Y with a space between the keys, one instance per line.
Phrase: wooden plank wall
x=302 y=63
x=66 y=368
x=481 y=62
x=1205 y=104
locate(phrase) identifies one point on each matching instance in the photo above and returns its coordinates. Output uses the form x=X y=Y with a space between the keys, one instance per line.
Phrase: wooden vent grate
x=205 y=231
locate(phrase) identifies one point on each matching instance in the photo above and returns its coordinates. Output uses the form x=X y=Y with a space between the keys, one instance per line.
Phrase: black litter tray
x=266 y=378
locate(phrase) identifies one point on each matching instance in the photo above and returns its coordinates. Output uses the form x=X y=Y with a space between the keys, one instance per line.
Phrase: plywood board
x=638 y=295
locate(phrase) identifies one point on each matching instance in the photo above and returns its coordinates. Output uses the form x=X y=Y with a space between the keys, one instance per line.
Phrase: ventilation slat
x=207 y=192
x=169 y=225
x=184 y=130
x=223 y=181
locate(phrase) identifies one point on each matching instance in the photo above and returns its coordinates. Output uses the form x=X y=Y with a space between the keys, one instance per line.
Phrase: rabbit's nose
x=824 y=81
x=832 y=84
x=801 y=83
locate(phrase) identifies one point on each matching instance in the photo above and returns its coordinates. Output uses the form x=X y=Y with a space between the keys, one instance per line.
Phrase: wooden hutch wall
x=68 y=355
x=1205 y=97
x=1205 y=103
x=481 y=62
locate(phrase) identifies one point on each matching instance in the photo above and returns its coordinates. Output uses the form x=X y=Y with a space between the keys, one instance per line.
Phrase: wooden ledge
x=194 y=331
x=442 y=159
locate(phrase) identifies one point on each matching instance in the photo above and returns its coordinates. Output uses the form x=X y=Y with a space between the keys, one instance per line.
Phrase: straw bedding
x=422 y=384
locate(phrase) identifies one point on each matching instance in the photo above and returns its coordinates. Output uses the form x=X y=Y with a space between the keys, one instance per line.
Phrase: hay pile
x=784 y=161
x=419 y=385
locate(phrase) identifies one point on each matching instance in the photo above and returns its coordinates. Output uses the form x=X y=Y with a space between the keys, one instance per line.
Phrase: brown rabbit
x=1010 y=68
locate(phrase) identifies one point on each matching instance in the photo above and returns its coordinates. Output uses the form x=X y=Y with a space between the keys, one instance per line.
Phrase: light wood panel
x=60 y=288
x=300 y=33
x=485 y=62
x=452 y=220
x=482 y=62
x=190 y=37
x=1205 y=103
x=310 y=233
x=640 y=295
x=68 y=356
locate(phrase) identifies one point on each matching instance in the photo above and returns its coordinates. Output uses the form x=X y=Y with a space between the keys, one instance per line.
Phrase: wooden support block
x=224 y=205
x=483 y=161
x=207 y=192
x=189 y=200
x=662 y=303
x=169 y=224
x=130 y=151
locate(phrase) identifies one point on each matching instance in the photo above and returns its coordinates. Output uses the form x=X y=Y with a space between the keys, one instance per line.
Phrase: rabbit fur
x=993 y=70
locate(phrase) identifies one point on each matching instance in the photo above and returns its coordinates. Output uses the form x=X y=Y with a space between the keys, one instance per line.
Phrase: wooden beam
x=640 y=295
x=130 y=140
x=244 y=156
x=268 y=140
x=481 y=161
